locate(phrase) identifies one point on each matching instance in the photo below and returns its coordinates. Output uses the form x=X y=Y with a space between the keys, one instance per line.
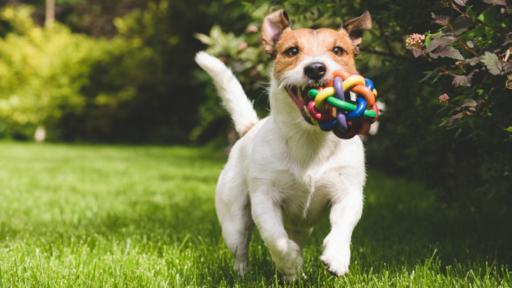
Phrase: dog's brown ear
x=271 y=29
x=356 y=26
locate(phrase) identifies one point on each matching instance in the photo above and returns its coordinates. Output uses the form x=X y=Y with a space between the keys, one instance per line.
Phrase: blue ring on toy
x=369 y=83
x=327 y=125
x=358 y=112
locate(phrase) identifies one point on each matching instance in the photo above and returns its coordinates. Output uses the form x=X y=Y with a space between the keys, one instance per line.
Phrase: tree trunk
x=50 y=13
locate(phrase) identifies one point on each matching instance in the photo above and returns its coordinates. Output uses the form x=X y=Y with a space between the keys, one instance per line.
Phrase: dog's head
x=306 y=58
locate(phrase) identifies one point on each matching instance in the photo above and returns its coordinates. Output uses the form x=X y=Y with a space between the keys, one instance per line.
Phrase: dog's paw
x=336 y=256
x=288 y=259
x=240 y=267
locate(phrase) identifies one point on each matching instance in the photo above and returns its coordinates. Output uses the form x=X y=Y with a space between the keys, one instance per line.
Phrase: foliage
x=468 y=160
x=128 y=76
x=476 y=40
x=471 y=53
x=41 y=72
x=382 y=47
x=144 y=217
x=138 y=77
x=123 y=70
x=67 y=82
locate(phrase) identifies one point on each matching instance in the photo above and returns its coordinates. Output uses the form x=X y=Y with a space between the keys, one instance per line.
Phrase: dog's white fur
x=283 y=175
x=231 y=92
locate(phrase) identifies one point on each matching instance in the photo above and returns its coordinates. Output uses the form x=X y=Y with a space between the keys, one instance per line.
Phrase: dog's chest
x=304 y=196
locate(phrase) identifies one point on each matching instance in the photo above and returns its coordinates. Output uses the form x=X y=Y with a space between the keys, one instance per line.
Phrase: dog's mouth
x=299 y=96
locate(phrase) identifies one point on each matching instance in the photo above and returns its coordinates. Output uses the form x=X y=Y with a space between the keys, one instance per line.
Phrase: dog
x=284 y=174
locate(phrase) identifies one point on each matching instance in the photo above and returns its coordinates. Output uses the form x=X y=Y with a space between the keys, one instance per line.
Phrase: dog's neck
x=306 y=143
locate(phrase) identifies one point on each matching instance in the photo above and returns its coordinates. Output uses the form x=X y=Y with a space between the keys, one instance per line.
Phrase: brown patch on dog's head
x=295 y=45
x=291 y=46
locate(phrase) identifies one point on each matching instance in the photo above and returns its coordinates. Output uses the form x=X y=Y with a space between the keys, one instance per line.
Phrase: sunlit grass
x=85 y=216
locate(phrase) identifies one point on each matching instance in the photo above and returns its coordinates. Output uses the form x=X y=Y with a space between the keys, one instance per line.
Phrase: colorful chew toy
x=334 y=109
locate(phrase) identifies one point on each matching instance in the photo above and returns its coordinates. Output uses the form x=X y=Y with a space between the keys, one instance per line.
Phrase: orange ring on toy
x=367 y=94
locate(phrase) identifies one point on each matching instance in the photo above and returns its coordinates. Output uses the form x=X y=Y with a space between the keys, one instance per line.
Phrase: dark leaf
x=496 y=2
x=441 y=19
x=461 y=80
x=429 y=74
x=417 y=52
x=469 y=104
x=441 y=42
x=461 y=2
x=456 y=117
x=508 y=84
x=448 y=52
x=473 y=61
x=507 y=67
x=461 y=24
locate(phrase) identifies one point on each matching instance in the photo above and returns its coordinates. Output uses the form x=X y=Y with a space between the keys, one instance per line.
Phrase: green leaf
x=490 y=17
x=509 y=129
x=428 y=38
x=205 y=39
x=492 y=63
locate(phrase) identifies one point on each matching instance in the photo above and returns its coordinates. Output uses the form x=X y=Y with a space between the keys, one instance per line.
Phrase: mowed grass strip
x=123 y=216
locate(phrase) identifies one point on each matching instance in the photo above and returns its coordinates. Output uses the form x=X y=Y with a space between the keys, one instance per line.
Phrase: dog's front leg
x=345 y=212
x=267 y=216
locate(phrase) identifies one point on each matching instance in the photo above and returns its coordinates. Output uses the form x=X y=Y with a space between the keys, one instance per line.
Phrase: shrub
x=460 y=145
x=473 y=64
x=43 y=72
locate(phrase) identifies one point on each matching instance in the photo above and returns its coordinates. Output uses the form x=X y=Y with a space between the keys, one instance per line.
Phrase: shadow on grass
x=402 y=225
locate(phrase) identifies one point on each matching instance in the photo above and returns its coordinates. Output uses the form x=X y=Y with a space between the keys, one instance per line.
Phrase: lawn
x=125 y=216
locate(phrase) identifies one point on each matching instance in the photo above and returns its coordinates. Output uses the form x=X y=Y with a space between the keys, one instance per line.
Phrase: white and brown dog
x=284 y=173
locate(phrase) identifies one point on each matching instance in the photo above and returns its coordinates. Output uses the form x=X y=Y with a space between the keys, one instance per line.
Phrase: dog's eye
x=292 y=51
x=338 y=50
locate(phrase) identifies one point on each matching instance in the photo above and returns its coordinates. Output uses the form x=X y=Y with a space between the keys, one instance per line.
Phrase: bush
x=461 y=147
x=471 y=53
x=46 y=75
x=41 y=73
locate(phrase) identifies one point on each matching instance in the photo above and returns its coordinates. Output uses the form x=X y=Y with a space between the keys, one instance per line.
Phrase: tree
x=50 y=13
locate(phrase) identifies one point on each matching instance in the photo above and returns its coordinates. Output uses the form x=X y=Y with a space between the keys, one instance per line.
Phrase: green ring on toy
x=343 y=105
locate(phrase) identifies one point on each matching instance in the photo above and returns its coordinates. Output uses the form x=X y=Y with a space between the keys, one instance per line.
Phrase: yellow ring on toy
x=352 y=81
x=323 y=94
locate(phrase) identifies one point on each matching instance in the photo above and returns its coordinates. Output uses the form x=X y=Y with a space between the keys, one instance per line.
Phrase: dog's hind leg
x=234 y=212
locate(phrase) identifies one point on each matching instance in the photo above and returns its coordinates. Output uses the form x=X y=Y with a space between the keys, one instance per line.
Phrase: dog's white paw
x=287 y=256
x=336 y=256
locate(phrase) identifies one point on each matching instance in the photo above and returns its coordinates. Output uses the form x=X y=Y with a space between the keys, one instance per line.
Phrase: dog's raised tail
x=232 y=94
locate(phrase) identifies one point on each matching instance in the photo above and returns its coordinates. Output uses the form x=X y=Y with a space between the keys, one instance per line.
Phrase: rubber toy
x=346 y=105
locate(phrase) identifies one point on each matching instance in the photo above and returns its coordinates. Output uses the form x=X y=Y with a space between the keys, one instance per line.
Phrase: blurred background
x=122 y=71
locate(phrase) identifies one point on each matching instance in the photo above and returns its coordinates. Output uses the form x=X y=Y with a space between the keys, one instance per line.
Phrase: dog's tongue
x=297 y=98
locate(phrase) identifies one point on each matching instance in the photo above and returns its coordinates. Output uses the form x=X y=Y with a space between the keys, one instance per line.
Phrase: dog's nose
x=315 y=70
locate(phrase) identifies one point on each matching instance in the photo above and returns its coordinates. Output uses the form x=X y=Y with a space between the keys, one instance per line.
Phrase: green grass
x=86 y=216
